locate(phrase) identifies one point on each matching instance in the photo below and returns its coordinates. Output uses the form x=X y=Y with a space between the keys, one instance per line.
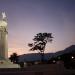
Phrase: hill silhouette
x=36 y=56
x=70 y=49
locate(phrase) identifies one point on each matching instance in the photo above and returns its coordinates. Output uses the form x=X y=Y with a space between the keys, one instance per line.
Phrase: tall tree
x=40 y=41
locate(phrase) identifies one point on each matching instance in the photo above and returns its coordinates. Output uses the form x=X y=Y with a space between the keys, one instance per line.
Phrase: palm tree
x=40 y=41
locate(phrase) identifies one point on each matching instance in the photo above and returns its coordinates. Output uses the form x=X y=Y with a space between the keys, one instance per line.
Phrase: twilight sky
x=26 y=18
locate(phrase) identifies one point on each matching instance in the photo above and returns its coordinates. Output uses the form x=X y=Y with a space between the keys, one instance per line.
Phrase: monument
x=3 y=36
x=4 y=61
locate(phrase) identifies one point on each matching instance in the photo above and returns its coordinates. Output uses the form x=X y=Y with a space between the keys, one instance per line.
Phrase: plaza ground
x=42 y=69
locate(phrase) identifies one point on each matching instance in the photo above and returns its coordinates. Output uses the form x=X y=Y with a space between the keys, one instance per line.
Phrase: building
x=3 y=36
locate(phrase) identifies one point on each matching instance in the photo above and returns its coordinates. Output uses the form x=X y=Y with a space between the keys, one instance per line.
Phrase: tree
x=40 y=41
x=14 y=58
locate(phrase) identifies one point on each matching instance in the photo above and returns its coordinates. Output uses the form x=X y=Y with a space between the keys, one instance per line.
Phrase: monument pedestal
x=7 y=64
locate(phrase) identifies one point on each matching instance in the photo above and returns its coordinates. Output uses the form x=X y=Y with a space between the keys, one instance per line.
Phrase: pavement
x=42 y=69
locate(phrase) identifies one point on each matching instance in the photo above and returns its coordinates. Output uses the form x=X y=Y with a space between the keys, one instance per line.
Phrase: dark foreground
x=45 y=69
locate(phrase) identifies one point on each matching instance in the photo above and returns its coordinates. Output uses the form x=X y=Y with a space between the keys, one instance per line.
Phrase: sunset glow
x=26 y=18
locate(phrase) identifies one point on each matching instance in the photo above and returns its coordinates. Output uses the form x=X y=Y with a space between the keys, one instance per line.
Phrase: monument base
x=5 y=63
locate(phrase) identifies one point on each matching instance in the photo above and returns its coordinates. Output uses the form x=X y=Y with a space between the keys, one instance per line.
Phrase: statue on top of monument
x=3 y=21
x=3 y=15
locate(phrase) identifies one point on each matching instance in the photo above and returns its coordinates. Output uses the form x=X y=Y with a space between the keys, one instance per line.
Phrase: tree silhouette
x=40 y=41
x=14 y=58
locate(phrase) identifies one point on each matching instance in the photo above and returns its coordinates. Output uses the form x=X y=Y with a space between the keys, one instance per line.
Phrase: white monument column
x=3 y=36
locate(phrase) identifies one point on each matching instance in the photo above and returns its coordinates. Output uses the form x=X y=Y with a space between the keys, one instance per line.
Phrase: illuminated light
x=54 y=61
x=72 y=57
